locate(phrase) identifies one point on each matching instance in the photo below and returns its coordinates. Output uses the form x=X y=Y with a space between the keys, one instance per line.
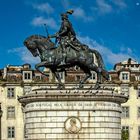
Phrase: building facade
x=19 y=80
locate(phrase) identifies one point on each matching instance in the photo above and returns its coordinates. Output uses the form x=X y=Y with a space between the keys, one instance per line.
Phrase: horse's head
x=31 y=45
x=37 y=43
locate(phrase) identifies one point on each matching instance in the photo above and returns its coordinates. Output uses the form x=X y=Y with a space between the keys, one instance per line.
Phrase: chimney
x=5 y=73
x=129 y=61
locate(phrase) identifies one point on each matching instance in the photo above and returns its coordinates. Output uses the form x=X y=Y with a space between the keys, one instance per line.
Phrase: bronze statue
x=66 y=54
x=67 y=36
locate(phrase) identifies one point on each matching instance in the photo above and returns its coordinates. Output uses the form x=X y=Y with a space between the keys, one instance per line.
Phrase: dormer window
x=124 y=76
x=27 y=75
x=93 y=76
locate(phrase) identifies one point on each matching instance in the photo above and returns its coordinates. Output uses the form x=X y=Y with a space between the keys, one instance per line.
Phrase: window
x=125 y=133
x=27 y=75
x=137 y=78
x=110 y=78
x=126 y=128
x=125 y=112
x=77 y=68
x=11 y=112
x=62 y=75
x=93 y=76
x=27 y=89
x=25 y=131
x=138 y=112
x=138 y=92
x=139 y=133
x=11 y=132
x=10 y=92
x=38 y=77
x=125 y=89
x=125 y=76
x=78 y=77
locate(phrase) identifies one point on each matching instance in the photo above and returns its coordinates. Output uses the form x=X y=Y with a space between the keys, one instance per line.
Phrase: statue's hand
x=49 y=36
x=55 y=35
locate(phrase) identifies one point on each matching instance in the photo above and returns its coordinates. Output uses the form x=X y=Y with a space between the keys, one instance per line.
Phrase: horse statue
x=51 y=57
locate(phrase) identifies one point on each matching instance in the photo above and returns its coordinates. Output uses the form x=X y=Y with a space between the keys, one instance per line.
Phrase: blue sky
x=110 y=26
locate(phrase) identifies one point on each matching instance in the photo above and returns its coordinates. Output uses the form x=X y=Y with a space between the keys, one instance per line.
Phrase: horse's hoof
x=97 y=86
x=81 y=86
x=91 y=87
x=60 y=87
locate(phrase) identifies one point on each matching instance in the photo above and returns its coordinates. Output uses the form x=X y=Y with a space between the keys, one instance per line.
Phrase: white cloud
x=39 y=21
x=109 y=56
x=103 y=7
x=44 y=7
x=106 y=7
x=120 y=3
x=80 y=13
x=124 y=49
x=25 y=55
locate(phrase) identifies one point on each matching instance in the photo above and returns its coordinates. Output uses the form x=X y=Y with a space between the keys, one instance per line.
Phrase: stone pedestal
x=73 y=114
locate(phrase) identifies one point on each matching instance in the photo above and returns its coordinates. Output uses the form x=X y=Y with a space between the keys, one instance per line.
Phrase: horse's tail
x=99 y=58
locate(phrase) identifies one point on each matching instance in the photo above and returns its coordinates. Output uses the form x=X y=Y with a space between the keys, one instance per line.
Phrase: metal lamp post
x=0 y=120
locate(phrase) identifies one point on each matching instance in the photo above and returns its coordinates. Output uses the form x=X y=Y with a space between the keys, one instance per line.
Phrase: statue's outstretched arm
x=54 y=35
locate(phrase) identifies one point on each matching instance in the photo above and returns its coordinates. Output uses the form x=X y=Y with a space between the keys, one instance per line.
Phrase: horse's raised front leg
x=42 y=64
x=56 y=74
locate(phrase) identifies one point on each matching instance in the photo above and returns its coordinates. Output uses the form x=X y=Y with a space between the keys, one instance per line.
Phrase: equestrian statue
x=68 y=52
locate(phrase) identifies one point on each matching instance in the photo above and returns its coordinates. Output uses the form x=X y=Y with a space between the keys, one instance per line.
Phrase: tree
x=124 y=135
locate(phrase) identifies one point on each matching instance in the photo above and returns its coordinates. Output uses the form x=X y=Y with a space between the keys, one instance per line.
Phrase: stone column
x=73 y=114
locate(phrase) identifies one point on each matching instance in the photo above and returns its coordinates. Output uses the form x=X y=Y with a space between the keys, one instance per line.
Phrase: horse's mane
x=42 y=39
x=37 y=37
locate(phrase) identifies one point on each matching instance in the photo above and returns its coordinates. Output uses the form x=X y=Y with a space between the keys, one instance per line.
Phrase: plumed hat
x=70 y=12
x=65 y=15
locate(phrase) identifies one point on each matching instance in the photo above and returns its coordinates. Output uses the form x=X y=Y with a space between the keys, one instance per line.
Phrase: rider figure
x=67 y=35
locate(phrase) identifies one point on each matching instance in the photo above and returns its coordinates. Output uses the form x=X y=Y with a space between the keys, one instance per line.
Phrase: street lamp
x=0 y=120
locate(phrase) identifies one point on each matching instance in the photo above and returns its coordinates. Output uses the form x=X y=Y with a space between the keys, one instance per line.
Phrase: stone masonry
x=72 y=115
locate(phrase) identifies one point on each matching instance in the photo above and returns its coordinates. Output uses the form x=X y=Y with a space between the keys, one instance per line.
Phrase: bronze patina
x=68 y=53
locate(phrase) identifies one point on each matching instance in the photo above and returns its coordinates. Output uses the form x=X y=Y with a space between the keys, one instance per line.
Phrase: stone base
x=73 y=115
